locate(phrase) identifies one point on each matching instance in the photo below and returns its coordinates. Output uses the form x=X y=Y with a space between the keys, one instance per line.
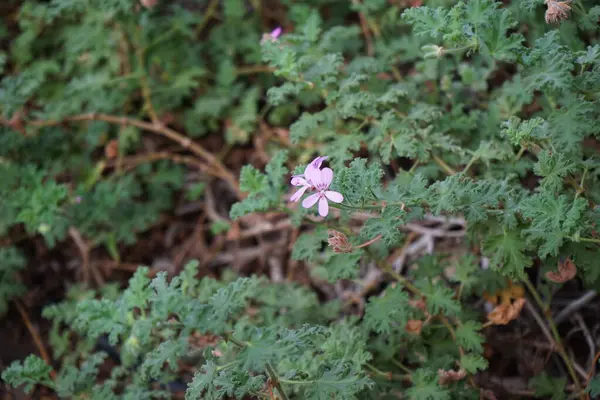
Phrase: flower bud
x=432 y=51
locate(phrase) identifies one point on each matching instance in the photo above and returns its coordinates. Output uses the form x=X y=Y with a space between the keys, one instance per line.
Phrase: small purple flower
x=321 y=180
x=304 y=180
x=273 y=36
x=276 y=32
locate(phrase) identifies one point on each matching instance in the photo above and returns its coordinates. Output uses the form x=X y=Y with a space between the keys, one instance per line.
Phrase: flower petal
x=296 y=196
x=276 y=32
x=298 y=180
x=318 y=161
x=325 y=178
x=313 y=176
x=315 y=164
x=323 y=207
x=334 y=196
x=311 y=200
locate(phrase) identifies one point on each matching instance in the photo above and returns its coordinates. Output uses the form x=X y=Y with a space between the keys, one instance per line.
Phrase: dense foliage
x=477 y=109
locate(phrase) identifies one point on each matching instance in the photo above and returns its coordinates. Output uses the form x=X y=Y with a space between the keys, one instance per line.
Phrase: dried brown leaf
x=566 y=271
x=557 y=10
x=506 y=312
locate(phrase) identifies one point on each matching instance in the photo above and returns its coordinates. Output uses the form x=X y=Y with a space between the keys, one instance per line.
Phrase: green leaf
x=358 y=182
x=439 y=298
x=473 y=363
x=201 y=386
x=337 y=381
x=33 y=371
x=341 y=266
x=593 y=387
x=168 y=352
x=251 y=180
x=11 y=262
x=552 y=218
x=507 y=253
x=553 y=167
x=308 y=246
x=388 y=311
x=546 y=385
x=468 y=336
x=426 y=387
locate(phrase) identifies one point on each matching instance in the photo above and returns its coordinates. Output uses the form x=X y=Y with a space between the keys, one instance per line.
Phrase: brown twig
x=84 y=250
x=35 y=335
x=133 y=161
x=217 y=167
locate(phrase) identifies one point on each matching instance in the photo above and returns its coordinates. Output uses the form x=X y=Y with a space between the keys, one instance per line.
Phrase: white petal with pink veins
x=296 y=196
x=323 y=207
x=310 y=200
x=334 y=196
x=326 y=177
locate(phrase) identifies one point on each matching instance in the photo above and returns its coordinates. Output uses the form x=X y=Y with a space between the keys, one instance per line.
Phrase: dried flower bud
x=566 y=271
x=557 y=10
x=445 y=377
x=148 y=3
x=414 y=326
x=111 y=150
x=339 y=242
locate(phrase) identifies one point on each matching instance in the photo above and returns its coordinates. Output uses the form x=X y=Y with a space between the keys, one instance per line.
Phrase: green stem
x=228 y=337
x=559 y=345
x=583 y=239
x=401 y=366
x=270 y=370
x=520 y=153
x=225 y=366
x=473 y=159
x=448 y=169
x=388 y=375
x=276 y=381
x=581 y=189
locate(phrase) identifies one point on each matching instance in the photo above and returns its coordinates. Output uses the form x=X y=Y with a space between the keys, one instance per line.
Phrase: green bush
x=478 y=109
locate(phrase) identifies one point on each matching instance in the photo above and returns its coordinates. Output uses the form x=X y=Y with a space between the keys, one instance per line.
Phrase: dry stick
x=133 y=161
x=36 y=337
x=574 y=306
x=559 y=345
x=84 y=250
x=219 y=169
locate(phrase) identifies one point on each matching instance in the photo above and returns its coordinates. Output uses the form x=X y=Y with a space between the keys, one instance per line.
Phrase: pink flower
x=304 y=180
x=321 y=180
x=273 y=36
x=276 y=32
